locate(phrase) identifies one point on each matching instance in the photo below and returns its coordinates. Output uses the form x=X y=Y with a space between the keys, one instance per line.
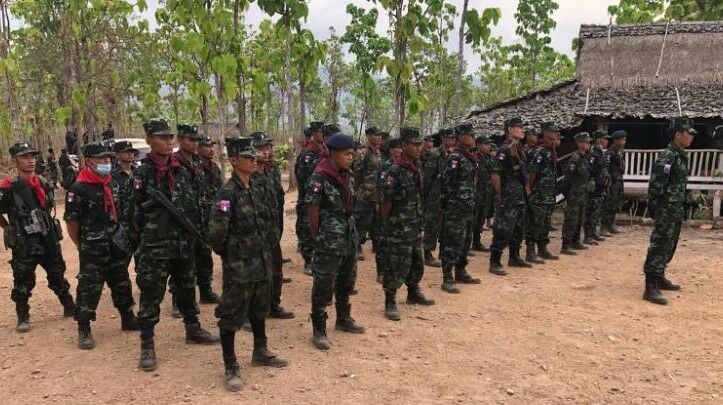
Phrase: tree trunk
x=240 y=80
x=460 y=63
x=222 y=118
x=400 y=57
x=10 y=96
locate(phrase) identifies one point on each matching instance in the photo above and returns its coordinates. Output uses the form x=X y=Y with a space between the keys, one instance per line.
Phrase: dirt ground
x=571 y=331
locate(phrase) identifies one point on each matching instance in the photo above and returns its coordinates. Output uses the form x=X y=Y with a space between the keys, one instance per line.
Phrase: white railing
x=705 y=168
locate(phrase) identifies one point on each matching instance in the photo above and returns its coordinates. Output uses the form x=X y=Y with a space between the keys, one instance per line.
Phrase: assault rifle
x=159 y=198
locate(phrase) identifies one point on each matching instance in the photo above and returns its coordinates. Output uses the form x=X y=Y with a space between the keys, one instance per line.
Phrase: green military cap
x=410 y=135
x=22 y=148
x=122 y=146
x=482 y=140
x=157 y=127
x=619 y=134
x=464 y=129
x=394 y=143
x=261 y=139
x=331 y=129
x=531 y=131
x=429 y=138
x=550 y=127
x=582 y=137
x=385 y=135
x=96 y=150
x=240 y=146
x=316 y=126
x=513 y=122
x=188 y=131
x=206 y=141
x=372 y=131
x=446 y=133
x=494 y=147
x=682 y=124
x=599 y=134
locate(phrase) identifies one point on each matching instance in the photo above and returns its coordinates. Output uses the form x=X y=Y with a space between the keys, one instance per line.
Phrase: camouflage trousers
x=277 y=275
x=432 y=226
x=537 y=232
x=204 y=264
x=241 y=301
x=593 y=211
x=571 y=226
x=333 y=276
x=456 y=237
x=152 y=275
x=404 y=265
x=663 y=241
x=379 y=252
x=611 y=206
x=303 y=233
x=480 y=215
x=509 y=227
x=24 y=278
x=366 y=220
x=95 y=271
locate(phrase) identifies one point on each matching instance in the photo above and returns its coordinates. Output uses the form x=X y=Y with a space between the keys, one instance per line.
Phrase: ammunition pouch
x=9 y=237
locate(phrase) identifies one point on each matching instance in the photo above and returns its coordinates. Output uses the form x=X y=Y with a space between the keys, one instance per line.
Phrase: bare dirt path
x=573 y=331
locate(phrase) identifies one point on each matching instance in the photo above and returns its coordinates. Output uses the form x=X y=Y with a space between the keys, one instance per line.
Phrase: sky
x=332 y=13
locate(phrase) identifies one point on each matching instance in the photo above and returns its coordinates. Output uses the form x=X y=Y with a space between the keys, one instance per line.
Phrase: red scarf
x=339 y=179
x=413 y=167
x=163 y=169
x=181 y=158
x=90 y=177
x=313 y=147
x=473 y=157
x=542 y=143
x=33 y=183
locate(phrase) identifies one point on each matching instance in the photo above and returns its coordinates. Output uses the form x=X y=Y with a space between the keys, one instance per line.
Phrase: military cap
x=582 y=137
x=96 y=150
x=188 y=131
x=494 y=147
x=513 y=121
x=241 y=146
x=123 y=146
x=429 y=138
x=463 y=129
x=410 y=134
x=206 y=141
x=22 y=148
x=599 y=134
x=394 y=143
x=385 y=135
x=372 y=131
x=682 y=124
x=357 y=145
x=446 y=133
x=482 y=140
x=531 y=131
x=157 y=126
x=316 y=126
x=331 y=129
x=340 y=141
x=307 y=132
x=550 y=127
x=619 y=134
x=261 y=139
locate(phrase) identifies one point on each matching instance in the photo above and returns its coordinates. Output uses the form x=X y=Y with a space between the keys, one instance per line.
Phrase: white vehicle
x=138 y=144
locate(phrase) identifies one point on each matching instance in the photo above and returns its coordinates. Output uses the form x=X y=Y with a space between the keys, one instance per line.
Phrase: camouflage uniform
x=614 y=161
x=511 y=211
x=600 y=175
x=433 y=170
x=542 y=199
x=483 y=198
x=576 y=187
x=209 y=175
x=380 y=258
x=303 y=169
x=366 y=170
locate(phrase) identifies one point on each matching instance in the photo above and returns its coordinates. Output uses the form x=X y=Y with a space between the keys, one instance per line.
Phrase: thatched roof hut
x=629 y=73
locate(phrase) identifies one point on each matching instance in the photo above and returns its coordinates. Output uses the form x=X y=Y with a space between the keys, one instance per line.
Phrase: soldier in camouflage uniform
x=433 y=170
x=33 y=241
x=165 y=248
x=239 y=233
x=427 y=149
x=94 y=227
x=401 y=211
x=366 y=169
x=458 y=205
x=531 y=141
x=576 y=186
x=269 y=179
x=668 y=201
x=210 y=175
x=314 y=150
x=614 y=160
x=330 y=196
x=483 y=194
x=394 y=147
x=509 y=179
x=600 y=175
x=542 y=168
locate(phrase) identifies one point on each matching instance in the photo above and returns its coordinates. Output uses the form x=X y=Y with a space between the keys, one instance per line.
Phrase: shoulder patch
x=454 y=163
x=316 y=187
x=539 y=158
x=307 y=159
x=390 y=180
x=224 y=205
x=666 y=168
x=501 y=156
x=70 y=197
x=137 y=184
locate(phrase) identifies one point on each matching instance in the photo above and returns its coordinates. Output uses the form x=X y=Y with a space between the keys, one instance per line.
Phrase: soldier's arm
x=133 y=211
x=218 y=222
x=313 y=219
x=537 y=160
x=73 y=213
x=314 y=195
x=5 y=195
x=387 y=195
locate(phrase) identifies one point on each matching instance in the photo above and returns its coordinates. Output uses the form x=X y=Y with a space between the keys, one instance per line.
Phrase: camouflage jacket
x=598 y=170
x=614 y=161
x=152 y=228
x=365 y=169
x=403 y=188
x=198 y=215
x=513 y=175
x=238 y=231
x=119 y=186
x=668 y=182
x=337 y=234
x=266 y=182
x=84 y=203
x=459 y=183
x=484 y=186
x=542 y=161
x=210 y=176
x=303 y=169
x=432 y=174
x=576 y=183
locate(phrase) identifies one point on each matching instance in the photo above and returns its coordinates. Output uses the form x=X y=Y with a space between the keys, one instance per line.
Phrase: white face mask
x=103 y=168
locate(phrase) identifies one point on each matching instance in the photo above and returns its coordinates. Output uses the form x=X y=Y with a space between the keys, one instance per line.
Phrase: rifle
x=157 y=197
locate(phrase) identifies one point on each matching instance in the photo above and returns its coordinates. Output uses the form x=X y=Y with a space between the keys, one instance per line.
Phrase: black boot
x=307 y=268
x=652 y=293
x=613 y=229
x=206 y=295
x=495 y=263
x=461 y=276
x=197 y=335
x=478 y=246
x=85 y=339
x=344 y=321
x=278 y=312
x=359 y=253
x=448 y=279
x=68 y=305
x=576 y=245
x=430 y=260
x=544 y=253
x=128 y=320
x=148 y=355
x=175 y=312
x=566 y=250
x=232 y=375
x=23 y=319
x=415 y=296
x=263 y=357
x=532 y=256
x=667 y=285
x=319 y=338
x=390 y=306
x=605 y=233
x=590 y=241
x=516 y=261
x=598 y=238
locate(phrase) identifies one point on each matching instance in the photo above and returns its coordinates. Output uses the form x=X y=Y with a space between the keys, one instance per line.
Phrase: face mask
x=103 y=168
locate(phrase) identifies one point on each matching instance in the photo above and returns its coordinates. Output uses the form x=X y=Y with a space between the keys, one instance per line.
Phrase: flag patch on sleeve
x=224 y=205
x=316 y=186
x=666 y=168
x=137 y=184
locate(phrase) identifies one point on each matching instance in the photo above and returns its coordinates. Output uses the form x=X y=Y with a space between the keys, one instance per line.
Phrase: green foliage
x=648 y=11
x=282 y=155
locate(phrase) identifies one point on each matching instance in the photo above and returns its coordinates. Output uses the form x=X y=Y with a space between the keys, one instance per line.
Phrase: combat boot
x=175 y=312
x=85 y=339
x=207 y=296
x=197 y=335
x=516 y=261
x=278 y=312
x=344 y=321
x=605 y=233
x=359 y=253
x=589 y=241
x=495 y=263
x=566 y=250
x=380 y=279
x=23 y=320
x=68 y=305
x=544 y=253
x=667 y=285
x=598 y=238
x=448 y=280
x=532 y=256
x=461 y=276
x=129 y=320
x=307 y=268
x=652 y=293
x=263 y=357
x=319 y=338
x=390 y=306
x=415 y=297
x=148 y=355
x=576 y=245
x=613 y=229
x=479 y=246
x=232 y=378
x=430 y=260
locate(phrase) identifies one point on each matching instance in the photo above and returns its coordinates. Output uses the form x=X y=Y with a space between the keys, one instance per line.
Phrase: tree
x=8 y=68
x=648 y=11
x=534 y=25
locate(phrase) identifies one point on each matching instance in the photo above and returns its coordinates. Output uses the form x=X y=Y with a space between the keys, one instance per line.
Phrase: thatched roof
x=635 y=55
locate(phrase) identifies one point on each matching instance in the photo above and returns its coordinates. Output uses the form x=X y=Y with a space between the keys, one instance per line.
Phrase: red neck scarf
x=542 y=143
x=313 y=147
x=90 y=177
x=163 y=169
x=413 y=167
x=269 y=166
x=181 y=158
x=339 y=179
x=33 y=183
